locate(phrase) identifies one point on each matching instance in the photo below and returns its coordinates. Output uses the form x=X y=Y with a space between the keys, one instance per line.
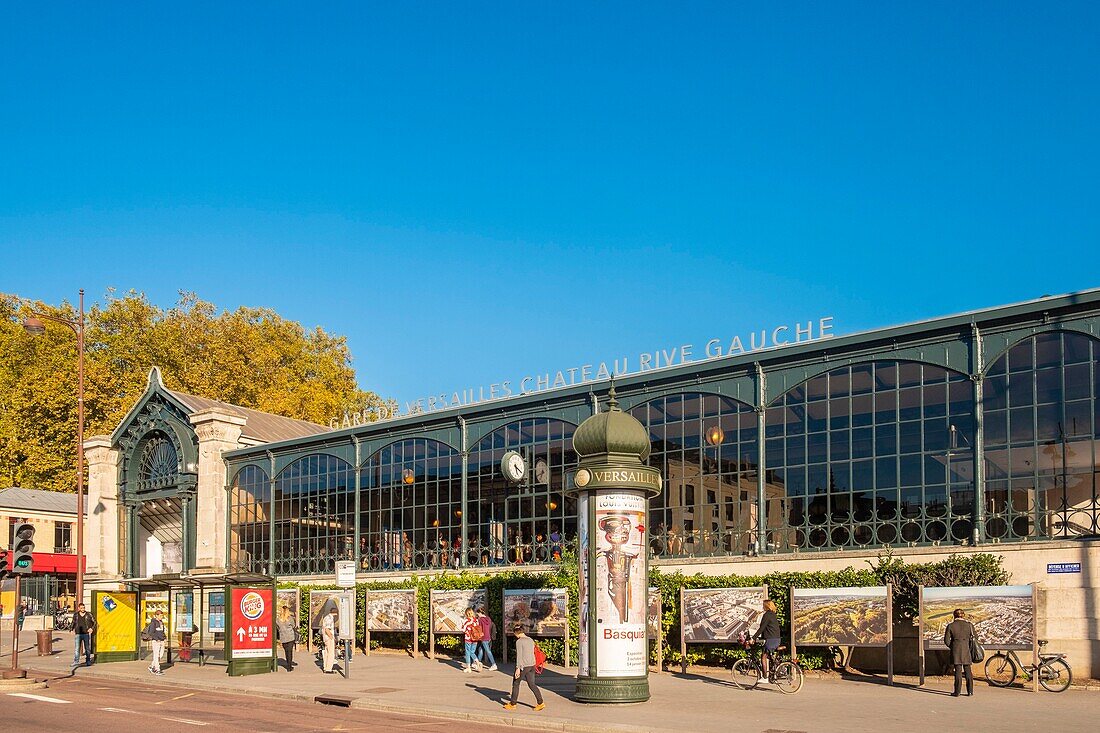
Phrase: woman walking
x=471 y=634
x=157 y=636
x=287 y=633
x=958 y=637
x=486 y=643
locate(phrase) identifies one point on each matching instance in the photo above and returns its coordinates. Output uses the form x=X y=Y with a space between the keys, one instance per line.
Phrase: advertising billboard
x=252 y=623
x=619 y=583
x=321 y=603
x=116 y=622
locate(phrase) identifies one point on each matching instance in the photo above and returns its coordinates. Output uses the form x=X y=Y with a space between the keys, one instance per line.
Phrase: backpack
x=474 y=631
x=540 y=660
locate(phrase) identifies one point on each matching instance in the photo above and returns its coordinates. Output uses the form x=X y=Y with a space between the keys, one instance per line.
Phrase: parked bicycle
x=747 y=672
x=1055 y=675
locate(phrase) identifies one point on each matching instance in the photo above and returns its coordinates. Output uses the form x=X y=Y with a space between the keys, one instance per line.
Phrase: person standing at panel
x=525 y=669
x=83 y=626
x=957 y=637
x=486 y=643
x=328 y=636
x=287 y=632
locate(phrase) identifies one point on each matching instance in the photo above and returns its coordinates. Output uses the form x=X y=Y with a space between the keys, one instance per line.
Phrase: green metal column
x=465 y=490
x=977 y=358
x=761 y=486
x=270 y=515
x=355 y=483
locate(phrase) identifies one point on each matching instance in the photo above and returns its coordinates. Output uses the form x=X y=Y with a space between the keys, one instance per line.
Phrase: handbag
x=977 y=652
x=145 y=635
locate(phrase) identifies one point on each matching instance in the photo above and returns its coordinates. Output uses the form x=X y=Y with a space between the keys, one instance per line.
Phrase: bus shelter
x=199 y=616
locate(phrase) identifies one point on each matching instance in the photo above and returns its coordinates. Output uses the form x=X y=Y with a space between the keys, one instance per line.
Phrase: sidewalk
x=707 y=701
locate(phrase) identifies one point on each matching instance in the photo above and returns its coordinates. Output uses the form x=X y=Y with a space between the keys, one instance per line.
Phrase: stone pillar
x=217 y=431
x=613 y=488
x=101 y=523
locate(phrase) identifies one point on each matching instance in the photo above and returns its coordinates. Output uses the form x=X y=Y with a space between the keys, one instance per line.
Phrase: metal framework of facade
x=972 y=429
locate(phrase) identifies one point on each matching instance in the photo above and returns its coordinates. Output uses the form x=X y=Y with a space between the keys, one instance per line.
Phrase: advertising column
x=251 y=637
x=613 y=487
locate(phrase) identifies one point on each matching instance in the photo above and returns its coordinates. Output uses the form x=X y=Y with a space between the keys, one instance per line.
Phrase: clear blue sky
x=472 y=192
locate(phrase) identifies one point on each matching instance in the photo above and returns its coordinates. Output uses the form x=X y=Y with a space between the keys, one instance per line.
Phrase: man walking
x=158 y=635
x=328 y=636
x=525 y=669
x=83 y=628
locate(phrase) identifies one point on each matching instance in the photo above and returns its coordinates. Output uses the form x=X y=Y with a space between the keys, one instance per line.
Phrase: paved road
x=89 y=706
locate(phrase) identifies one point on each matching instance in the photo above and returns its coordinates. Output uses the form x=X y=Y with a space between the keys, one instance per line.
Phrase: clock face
x=542 y=472
x=513 y=466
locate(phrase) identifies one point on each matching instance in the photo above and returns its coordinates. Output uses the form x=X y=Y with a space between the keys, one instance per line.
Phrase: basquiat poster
x=618 y=576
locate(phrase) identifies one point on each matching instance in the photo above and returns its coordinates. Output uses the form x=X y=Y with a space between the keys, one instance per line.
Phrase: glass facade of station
x=876 y=452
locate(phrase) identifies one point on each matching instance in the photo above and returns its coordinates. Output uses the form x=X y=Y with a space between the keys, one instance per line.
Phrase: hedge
x=976 y=570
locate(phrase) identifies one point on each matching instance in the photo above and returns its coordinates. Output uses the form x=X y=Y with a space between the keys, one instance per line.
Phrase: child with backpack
x=527 y=666
x=472 y=634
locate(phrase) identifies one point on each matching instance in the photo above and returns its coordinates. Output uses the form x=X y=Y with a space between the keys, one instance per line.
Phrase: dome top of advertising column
x=613 y=436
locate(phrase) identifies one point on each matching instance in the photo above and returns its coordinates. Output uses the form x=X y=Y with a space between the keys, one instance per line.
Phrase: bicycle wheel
x=1055 y=675
x=746 y=674
x=788 y=677
x=1000 y=670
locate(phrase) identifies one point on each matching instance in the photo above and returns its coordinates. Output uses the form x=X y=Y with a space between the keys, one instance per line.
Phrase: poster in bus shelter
x=184 y=617
x=152 y=603
x=840 y=616
x=215 y=616
x=391 y=610
x=540 y=612
x=1003 y=615
x=721 y=614
x=448 y=608
x=116 y=622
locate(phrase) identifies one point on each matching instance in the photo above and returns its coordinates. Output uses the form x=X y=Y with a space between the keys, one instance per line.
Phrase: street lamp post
x=36 y=327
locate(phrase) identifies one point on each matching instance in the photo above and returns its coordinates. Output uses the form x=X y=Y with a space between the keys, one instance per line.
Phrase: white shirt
x=328 y=626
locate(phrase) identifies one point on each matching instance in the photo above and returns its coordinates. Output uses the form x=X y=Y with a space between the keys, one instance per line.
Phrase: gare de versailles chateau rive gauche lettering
x=811 y=330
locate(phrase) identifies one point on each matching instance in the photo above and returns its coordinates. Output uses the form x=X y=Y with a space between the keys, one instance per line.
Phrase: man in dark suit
x=957 y=638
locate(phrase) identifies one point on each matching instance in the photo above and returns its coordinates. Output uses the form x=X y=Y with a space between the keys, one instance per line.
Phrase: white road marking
x=185 y=720
x=117 y=710
x=40 y=698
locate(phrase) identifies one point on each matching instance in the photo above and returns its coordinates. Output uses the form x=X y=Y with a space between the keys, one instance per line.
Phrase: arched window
x=158 y=463
x=527 y=523
x=314 y=515
x=410 y=516
x=1041 y=429
x=705 y=447
x=877 y=453
x=249 y=521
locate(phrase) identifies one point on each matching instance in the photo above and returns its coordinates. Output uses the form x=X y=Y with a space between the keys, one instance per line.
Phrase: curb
x=365 y=703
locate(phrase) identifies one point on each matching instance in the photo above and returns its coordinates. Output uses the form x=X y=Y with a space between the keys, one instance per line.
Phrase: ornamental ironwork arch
x=158 y=463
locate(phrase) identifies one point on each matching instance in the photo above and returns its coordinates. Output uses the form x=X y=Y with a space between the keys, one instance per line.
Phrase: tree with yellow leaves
x=250 y=357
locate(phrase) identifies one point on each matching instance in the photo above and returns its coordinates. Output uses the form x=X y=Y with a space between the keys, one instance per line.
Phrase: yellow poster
x=151 y=605
x=116 y=622
x=7 y=599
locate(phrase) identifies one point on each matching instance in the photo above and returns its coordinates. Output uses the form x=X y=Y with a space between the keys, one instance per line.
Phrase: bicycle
x=63 y=620
x=786 y=675
x=1055 y=675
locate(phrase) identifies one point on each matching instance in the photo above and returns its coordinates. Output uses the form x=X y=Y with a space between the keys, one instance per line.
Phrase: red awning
x=55 y=563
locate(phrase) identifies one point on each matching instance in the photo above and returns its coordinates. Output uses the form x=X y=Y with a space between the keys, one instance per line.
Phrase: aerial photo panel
x=1003 y=615
x=721 y=614
x=840 y=616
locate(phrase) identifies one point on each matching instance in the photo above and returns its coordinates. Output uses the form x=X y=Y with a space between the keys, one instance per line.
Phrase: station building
x=978 y=432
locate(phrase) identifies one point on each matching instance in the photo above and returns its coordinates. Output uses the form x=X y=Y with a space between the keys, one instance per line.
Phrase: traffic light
x=5 y=569
x=22 y=554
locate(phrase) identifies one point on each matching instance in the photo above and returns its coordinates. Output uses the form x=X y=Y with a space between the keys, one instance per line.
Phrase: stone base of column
x=607 y=690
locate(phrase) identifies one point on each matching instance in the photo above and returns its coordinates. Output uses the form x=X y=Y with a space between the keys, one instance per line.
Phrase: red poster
x=252 y=622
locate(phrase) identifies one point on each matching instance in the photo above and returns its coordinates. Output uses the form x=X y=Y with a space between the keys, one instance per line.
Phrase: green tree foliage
x=250 y=357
